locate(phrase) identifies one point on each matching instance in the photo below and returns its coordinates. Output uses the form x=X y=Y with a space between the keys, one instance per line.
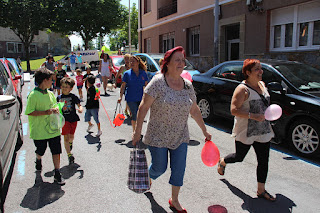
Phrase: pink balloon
x=186 y=75
x=273 y=112
x=210 y=154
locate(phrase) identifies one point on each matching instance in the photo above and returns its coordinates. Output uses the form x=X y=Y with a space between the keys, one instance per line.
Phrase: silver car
x=11 y=137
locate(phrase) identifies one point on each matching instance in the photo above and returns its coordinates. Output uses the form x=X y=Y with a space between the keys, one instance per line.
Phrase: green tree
x=88 y=18
x=26 y=18
x=117 y=36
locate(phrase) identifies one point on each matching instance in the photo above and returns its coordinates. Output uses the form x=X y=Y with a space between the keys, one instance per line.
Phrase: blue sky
x=75 y=40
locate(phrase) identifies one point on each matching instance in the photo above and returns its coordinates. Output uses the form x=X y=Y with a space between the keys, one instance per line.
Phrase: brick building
x=288 y=30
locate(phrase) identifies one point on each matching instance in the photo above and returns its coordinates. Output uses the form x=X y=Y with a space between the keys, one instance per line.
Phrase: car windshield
x=187 y=67
x=301 y=76
x=118 y=61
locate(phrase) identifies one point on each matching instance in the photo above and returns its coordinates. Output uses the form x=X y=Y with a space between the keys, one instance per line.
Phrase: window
x=194 y=40
x=289 y=34
x=231 y=71
x=316 y=33
x=303 y=34
x=147 y=45
x=147 y=6
x=3 y=79
x=296 y=27
x=277 y=36
x=11 y=47
x=167 y=42
x=33 y=48
x=19 y=47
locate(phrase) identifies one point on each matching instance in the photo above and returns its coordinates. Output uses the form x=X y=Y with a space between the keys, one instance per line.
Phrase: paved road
x=97 y=181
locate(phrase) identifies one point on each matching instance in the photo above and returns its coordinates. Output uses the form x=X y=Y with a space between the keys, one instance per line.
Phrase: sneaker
x=70 y=144
x=99 y=133
x=71 y=159
x=58 y=179
x=38 y=165
x=89 y=127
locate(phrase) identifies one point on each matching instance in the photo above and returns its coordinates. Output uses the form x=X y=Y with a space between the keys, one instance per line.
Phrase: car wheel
x=305 y=137
x=205 y=108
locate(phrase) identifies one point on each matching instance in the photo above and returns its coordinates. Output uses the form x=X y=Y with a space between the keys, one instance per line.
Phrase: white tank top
x=247 y=130
x=105 y=68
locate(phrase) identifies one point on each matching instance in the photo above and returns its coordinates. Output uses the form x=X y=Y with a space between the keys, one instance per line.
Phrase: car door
x=9 y=118
x=228 y=78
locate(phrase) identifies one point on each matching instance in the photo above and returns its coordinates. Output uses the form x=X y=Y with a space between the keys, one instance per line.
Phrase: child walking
x=69 y=112
x=40 y=105
x=79 y=79
x=92 y=105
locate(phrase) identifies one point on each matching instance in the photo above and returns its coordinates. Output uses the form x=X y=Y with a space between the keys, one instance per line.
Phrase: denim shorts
x=134 y=106
x=79 y=87
x=92 y=112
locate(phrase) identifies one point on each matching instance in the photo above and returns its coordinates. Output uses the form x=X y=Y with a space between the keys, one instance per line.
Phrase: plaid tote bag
x=138 y=177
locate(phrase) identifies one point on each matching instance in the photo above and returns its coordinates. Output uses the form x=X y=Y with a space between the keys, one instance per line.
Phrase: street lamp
x=129 y=30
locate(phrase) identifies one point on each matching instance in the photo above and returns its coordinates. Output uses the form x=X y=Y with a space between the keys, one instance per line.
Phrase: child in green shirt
x=40 y=105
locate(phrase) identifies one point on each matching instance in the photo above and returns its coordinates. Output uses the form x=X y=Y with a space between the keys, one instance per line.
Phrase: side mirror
x=7 y=101
x=276 y=87
x=16 y=77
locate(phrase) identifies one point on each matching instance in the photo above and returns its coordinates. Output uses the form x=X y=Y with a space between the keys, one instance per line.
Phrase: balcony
x=167 y=10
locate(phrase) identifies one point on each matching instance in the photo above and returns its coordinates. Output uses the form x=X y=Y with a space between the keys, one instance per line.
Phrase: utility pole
x=216 y=33
x=129 y=29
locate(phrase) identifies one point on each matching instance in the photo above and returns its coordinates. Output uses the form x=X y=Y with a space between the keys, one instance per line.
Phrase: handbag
x=138 y=176
x=119 y=118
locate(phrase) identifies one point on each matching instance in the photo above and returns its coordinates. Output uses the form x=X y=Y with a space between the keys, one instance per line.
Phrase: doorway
x=232 y=41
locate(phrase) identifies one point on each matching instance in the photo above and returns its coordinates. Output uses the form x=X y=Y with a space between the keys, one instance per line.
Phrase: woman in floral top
x=171 y=99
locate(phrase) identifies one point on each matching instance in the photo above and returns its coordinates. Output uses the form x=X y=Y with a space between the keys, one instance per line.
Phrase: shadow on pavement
x=67 y=171
x=94 y=140
x=155 y=207
x=194 y=143
x=41 y=194
x=255 y=205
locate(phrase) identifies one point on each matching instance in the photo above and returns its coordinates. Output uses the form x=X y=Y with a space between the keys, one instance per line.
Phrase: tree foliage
x=117 y=36
x=26 y=18
x=87 y=17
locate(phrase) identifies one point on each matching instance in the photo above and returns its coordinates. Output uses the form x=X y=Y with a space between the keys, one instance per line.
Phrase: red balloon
x=210 y=154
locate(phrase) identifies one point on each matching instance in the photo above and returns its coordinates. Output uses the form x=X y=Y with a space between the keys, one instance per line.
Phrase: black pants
x=262 y=152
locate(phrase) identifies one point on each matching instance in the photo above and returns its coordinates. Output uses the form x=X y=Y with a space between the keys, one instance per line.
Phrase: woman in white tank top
x=249 y=102
x=104 y=69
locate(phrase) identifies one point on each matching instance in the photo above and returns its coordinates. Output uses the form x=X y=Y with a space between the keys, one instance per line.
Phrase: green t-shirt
x=40 y=128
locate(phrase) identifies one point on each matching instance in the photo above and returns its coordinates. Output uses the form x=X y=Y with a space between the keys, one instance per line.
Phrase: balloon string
x=106 y=113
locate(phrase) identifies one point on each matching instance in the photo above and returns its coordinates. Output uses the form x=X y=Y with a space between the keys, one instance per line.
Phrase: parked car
x=15 y=78
x=18 y=69
x=292 y=85
x=117 y=62
x=153 y=67
x=11 y=137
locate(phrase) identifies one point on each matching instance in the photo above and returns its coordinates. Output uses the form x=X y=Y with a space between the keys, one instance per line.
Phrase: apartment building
x=288 y=30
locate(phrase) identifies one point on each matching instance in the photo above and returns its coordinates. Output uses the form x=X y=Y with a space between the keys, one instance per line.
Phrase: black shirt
x=91 y=103
x=60 y=75
x=69 y=108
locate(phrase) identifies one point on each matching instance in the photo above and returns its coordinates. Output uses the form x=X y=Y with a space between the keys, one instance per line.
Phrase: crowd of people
x=168 y=96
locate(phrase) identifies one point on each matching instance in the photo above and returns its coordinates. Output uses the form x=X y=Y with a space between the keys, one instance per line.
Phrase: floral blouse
x=168 y=123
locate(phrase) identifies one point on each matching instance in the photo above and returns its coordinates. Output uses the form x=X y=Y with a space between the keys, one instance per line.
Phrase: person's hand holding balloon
x=52 y=110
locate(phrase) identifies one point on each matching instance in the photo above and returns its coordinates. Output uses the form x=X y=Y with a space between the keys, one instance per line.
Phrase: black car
x=292 y=85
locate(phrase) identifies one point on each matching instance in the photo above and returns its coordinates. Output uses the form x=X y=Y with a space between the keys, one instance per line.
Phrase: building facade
x=287 y=30
x=43 y=43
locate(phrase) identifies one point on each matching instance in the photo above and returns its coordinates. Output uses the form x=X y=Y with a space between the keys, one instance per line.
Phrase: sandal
x=269 y=197
x=221 y=168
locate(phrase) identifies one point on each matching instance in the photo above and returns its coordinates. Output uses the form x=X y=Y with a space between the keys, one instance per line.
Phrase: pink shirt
x=79 y=79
